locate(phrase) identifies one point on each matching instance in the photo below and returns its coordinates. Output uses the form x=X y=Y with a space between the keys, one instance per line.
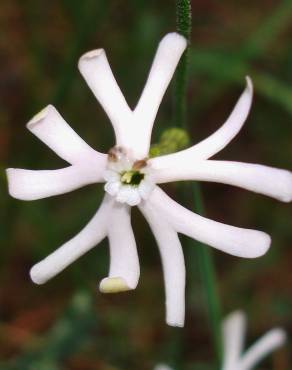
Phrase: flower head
x=131 y=178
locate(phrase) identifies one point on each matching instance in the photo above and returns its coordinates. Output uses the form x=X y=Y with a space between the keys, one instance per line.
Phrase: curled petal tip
x=14 y=185
x=37 y=276
x=236 y=315
x=286 y=195
x=113 y=285
x=9 y=174
x=279 y=336
x=173 y=323
x=287 y=198
x=249 y=83
x=90 y=55
x=175 y=39
x=39 y=117
x=262 y=244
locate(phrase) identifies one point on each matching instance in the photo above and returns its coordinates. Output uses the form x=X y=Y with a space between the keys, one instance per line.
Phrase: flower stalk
x=204 y=255
x=184 y=27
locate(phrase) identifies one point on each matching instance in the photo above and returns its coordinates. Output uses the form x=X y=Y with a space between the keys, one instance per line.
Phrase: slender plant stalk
x=202 y=253
x=183 y=26
x=208 y=277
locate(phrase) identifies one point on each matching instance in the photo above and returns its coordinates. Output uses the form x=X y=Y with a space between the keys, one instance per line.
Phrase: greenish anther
x=132 y=177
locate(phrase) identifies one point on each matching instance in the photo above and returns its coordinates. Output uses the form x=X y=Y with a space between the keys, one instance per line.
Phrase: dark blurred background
x=67 y=323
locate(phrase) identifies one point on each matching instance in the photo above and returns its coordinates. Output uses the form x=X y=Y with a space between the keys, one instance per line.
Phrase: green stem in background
x=202 y=253
x=208 y=277
x=183 y=26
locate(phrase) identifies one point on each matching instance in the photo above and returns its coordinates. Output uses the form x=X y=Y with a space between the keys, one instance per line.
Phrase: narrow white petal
x=50 y=127
x=93 y=233
x=96 y=71
x=233 y=240
x=166 y=59
x=112 y=188
x=233 y=328
x=272 y=340
x=38 y=184
x=273 y=182
x=172 y=261
x=124 y=261
x=217 y=141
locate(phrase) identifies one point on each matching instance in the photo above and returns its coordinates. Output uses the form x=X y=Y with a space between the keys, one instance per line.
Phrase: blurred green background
x=67 y=323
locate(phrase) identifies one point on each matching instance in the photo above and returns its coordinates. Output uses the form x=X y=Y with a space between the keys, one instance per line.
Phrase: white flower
x=233 y=330
x=233 y=336
x=131 y=179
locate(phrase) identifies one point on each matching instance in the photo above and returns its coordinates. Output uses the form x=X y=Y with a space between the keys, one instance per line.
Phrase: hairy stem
x=202 y=253
x=184 y=27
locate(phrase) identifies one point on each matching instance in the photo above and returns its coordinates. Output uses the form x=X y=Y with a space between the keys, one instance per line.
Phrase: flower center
x=127 y=179
x=132 y=177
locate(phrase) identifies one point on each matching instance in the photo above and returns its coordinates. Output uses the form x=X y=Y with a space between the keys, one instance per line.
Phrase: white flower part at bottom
x=233 y=332
x=127 y=180
x=233 y=336
x=131 y=179
x=162 y=367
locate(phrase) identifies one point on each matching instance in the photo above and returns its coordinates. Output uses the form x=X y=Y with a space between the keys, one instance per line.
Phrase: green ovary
x=132 y=177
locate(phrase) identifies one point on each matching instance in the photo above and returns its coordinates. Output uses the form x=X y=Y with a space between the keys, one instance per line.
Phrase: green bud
x=172 y=140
